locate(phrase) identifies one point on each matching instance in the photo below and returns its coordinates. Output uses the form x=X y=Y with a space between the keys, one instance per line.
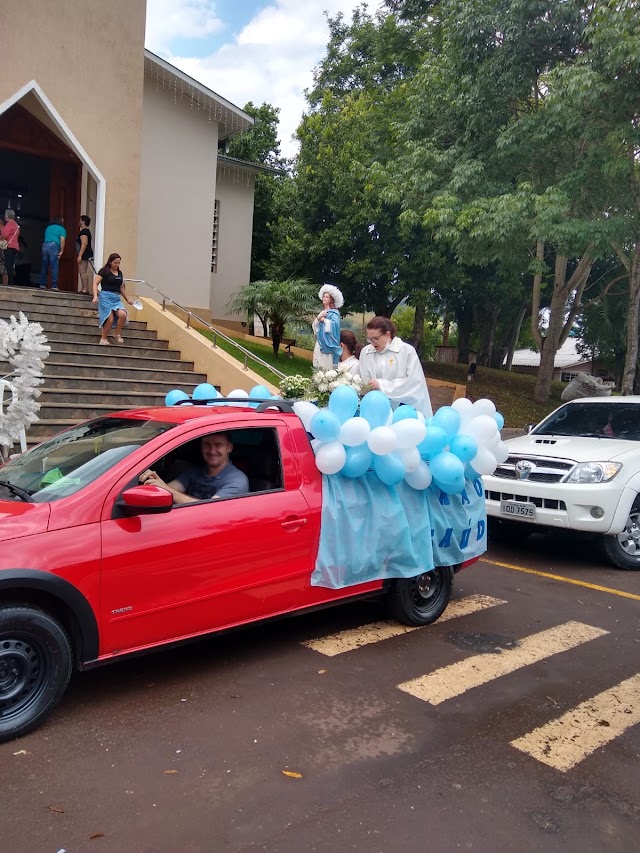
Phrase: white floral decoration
x=24 y=346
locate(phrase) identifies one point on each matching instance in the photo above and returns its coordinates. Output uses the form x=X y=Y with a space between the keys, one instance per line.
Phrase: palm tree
x=276 y=303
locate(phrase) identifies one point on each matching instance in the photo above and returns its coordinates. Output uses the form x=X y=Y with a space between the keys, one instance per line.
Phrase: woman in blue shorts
x=109 y=300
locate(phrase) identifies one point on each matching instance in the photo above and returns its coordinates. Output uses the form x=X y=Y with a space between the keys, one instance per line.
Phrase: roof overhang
x=230 y=118
x=252 y=168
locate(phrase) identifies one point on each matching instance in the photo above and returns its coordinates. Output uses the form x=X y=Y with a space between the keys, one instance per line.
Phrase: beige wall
x=177 y=194
x=87 y=56
x=235 y=194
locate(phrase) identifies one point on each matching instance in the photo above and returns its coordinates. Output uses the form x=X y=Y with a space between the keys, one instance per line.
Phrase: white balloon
x=382 y=440
x=483 y=429
x=305 y=411
x=316 y=444
x=420 y=478
x=492 y=443
x=354 y=431
x=484 y=462
x=410 y=457
x=501 y=453
x=421 y=417
x=463 y=406
x=410 y=432
x=331 y=457
x=484 y=407
x=238 y=392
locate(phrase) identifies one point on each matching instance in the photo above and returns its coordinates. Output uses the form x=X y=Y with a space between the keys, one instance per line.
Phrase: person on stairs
x=109 y=299
x=55 y=237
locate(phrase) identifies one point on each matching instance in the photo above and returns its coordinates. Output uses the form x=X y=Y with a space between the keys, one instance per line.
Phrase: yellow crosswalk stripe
x=455 y=679
x=374 y=632
x=566 y=741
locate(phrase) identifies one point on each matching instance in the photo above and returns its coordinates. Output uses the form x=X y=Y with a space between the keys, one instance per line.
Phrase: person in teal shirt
x=55 y=236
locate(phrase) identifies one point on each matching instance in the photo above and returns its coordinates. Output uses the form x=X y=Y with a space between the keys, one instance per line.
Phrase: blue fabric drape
x=373 y=532
x=329 y=339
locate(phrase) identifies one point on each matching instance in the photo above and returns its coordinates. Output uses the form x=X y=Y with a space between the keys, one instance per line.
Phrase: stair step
x=115 y=356
x=49 y=321
x=127 y=398
x=115 y=384
x=174 y=378
x=76 y=412
x=82 y=338
x=93 y=348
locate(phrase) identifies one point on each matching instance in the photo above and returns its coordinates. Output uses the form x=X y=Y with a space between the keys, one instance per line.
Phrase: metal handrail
x=216 y=332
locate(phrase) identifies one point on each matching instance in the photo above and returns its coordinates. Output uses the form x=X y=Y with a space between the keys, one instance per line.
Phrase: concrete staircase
x=82 y=378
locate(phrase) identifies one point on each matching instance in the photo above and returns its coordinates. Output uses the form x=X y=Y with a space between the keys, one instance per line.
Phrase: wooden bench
x=288 y=343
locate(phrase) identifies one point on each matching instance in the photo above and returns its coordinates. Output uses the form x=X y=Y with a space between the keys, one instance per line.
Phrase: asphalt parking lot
x=512 y=723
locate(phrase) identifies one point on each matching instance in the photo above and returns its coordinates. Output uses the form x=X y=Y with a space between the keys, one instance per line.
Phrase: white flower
x=332 y=374
x=342 y=368
x=323 y=387
x=348 y=376
x=318 y=377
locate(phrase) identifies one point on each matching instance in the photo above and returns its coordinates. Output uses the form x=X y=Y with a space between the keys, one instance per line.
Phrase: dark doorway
x=40 y=178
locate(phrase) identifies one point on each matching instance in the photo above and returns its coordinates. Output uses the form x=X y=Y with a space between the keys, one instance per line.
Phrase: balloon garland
x=353 y=436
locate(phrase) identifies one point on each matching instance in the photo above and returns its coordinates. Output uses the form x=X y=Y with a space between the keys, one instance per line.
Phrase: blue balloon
x=390 y=469
x=471 y=474
x=464 y=447
x=325 y=426
x=447 y=419
x=343 y=402
x=359 y=460
x=447 y=469
x=434 y=441
x=499 y=419
x=172 y=397
x=204 y=391
x=375 y=408
x=453 y=488
x=261 y=392
x=403 y=412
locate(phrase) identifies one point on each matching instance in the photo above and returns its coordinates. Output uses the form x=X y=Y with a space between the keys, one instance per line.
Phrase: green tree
x=261 y=145
x=276 y=303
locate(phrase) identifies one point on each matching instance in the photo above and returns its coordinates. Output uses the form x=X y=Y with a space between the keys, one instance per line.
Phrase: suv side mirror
x=145 y=500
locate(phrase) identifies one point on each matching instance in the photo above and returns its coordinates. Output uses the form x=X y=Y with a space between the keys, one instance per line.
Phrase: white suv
x=578 y=469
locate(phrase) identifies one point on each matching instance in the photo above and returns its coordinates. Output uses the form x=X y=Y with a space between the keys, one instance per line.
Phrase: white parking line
x=568 y=740
x=455 y=679
x=374 y=632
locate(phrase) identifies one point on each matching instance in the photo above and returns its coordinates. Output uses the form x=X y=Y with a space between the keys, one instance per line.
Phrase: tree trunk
x=417 y=333
x=445 y=333
x=633 y=325
x=509 y=343
x=277 y=332
x=559 y=327
x=486 y=316
x=464 y=321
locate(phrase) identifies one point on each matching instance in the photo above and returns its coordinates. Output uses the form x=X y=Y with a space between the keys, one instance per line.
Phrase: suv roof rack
x=263 y=403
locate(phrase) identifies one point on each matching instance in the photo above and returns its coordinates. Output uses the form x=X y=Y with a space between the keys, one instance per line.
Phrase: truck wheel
x=623 y=549
x=421 y=600
x=35 y=667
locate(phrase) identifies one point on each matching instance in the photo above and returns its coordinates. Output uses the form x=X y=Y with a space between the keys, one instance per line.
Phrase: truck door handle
x=293 y=524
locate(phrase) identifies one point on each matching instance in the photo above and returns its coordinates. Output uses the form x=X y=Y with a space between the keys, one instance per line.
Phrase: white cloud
x=271 y=59
x=171 y=19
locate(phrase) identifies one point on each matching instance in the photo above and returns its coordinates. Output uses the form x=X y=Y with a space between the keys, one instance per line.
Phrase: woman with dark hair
x=350 y=351
x=10 y=233
x=109 y=301
x=390 y=365
x=4 y=279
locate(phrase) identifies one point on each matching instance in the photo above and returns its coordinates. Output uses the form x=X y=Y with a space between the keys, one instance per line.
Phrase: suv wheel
x=623 y=549
x=421 y=600
x=35 y=667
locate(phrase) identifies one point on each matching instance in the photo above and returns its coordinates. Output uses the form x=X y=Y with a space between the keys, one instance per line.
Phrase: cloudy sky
x=247 y=50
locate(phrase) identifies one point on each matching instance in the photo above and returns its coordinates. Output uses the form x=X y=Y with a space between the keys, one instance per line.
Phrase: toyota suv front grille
x=534 y=469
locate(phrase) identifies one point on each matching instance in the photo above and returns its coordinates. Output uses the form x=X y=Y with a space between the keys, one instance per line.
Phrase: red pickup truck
x=95 y=566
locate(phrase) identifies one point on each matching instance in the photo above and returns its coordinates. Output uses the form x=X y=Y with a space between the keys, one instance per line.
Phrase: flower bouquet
x=319 y=386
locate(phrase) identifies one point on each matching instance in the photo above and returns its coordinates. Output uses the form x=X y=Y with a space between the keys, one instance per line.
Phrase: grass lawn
x=283 y=363
x=511 y=392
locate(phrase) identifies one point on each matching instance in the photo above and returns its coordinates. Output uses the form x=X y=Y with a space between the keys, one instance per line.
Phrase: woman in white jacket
x=390 y=365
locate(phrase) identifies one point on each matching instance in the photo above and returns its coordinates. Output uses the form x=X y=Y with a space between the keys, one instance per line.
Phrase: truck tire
x=623 y=549
x=35 y=668
x=421 y=600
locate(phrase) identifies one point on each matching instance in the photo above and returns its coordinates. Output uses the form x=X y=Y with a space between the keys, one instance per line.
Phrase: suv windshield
x=74 y=458
x=596 y=420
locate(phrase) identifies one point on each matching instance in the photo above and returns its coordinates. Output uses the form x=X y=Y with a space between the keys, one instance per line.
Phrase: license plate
x=517 y=509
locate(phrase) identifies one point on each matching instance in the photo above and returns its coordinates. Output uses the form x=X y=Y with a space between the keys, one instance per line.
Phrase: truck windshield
x=596 y=420
x=71 y=460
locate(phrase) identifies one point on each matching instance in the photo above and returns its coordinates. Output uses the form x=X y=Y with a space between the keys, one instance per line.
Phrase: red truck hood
x=19 y=519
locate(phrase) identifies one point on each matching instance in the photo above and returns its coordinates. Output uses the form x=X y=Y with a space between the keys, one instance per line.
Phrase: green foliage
x=404 y=318
x=276 y=303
